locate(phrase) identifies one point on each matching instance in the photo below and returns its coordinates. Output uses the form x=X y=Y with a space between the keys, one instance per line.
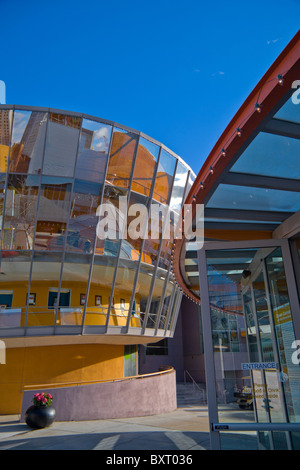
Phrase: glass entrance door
x=276 y=390
x=255 y=385
x=268 y=394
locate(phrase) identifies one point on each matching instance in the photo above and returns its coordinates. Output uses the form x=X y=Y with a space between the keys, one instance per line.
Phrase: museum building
x=78 y=294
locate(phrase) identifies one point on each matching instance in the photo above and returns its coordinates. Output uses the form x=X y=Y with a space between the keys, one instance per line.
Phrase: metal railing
x=288 y=427
x=195 y=384
x=167 y=370
x=69 y=315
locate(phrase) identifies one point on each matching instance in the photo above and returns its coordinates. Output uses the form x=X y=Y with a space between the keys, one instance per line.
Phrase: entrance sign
x=258 y=365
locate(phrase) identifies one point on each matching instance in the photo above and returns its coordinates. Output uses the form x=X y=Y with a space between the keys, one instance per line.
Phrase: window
x=157 y=349
x=64 y=298
x=6 y=298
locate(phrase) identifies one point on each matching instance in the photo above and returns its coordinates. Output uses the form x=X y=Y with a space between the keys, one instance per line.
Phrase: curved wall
x=59 y=364
x=145 y=396
x=60 y=275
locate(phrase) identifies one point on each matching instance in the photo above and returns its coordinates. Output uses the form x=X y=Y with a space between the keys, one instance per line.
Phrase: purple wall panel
x=107 y=400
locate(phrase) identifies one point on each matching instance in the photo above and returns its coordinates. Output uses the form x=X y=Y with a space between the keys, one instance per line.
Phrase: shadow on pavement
x=169 y=440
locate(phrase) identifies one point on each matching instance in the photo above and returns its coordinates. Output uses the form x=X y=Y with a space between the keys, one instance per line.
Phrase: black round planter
x=38 y=417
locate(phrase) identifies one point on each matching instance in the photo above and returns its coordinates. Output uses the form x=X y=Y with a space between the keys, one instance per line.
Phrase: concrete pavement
x=183 y=429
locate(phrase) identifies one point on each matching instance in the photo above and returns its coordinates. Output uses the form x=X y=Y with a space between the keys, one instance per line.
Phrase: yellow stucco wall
x=44 y=316
x=56 y=364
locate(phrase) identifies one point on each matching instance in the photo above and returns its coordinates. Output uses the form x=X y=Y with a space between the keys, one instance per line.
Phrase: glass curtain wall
x=57 y=170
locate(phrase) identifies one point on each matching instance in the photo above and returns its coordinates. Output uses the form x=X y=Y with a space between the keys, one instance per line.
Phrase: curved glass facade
x=57 y=169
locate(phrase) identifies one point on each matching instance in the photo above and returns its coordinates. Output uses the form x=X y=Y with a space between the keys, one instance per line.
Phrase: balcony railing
x=45 y=321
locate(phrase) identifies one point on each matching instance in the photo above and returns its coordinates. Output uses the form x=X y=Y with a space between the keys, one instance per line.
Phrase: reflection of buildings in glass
x=5 y=123
x=88 y=165
x=26 y=154
x=60 y=146
x=61 y=169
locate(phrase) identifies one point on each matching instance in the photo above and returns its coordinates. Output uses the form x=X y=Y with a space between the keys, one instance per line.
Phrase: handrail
x=292 y=427
x=194 y=383
x=89 y=382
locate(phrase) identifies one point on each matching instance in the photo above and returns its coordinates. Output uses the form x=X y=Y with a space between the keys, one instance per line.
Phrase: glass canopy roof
x=271 y=155
x=229 y=196
x=261 y=189
x=289 y=112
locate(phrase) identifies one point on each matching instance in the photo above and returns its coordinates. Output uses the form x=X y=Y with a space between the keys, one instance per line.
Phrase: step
x=189 y=394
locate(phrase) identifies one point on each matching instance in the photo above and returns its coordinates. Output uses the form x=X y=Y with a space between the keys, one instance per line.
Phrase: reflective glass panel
x=256 y=381
x=5 y=130
x=229 y=196
x=100 y=290
x=156 y=299
x=143 y=288
x=171 y=325
x=2 y=193
x=137 y=226
x=225 y=281
x=284 y=331
x=267 y=390
x=190 y=183
x=122 y=153
x=122 y=294
x=46 y=269
x=296 y=440
x=178 y=189
x=263 y=319
x=93 y=151
x=242 y=440
x=74 y=280
x=144 y=168
x=112 y=220
x=27 y=143
x=61 y=145
x=270 y=155
x=20 y=211
x=166 y=305
x=295 y=243
x=251 y=327
x=52 y=214
x=168 y=240
x=164 y=177
x=83 y=219
x=157 y=215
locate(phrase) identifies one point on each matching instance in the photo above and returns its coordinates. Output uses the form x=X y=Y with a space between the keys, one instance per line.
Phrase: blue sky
x=177 y=71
